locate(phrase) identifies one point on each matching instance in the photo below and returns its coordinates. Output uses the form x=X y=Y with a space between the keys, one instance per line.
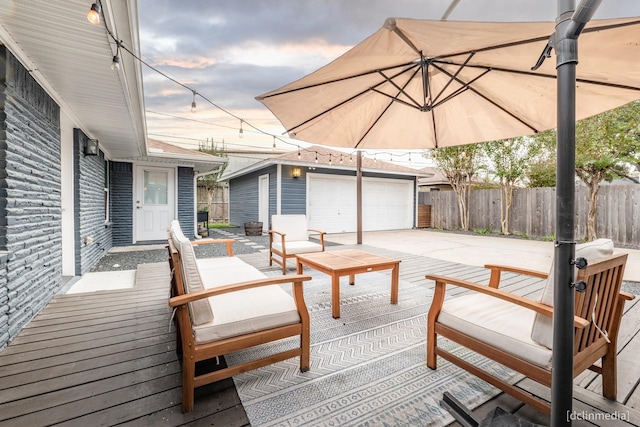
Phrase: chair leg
x=305 y=349
x=431 y=348
x=609 y=373
x=188 y=378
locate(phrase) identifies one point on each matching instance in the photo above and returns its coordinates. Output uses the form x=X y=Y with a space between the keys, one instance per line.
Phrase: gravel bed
x=129 y=260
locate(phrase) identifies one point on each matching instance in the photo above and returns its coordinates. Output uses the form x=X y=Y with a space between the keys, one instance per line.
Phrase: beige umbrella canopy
x=424 y=84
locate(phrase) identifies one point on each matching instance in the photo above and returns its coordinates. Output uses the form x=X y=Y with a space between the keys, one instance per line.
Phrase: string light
x=94 y=14
x=115 y=63
x=94 y=17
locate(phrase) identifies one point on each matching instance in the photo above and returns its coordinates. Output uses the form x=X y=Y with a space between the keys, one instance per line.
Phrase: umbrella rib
x=393 y=99
x=401 y=90
x=486 y=98
x=549 y=76
x=372 y=88
x=407 y=65
x=537 y=39
x=460 y=67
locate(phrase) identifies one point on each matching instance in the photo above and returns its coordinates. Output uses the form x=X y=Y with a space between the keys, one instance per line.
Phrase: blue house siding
x=294 y=191
x=243 y=196
x=30 y=204
x=185 y=201
x=92 y=234
x=121 y=198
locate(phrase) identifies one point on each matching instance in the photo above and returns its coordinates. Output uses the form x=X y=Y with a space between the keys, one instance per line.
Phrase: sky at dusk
x=230 y=51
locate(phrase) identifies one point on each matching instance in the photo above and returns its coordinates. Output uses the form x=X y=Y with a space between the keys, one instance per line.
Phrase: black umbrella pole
x=562 y=365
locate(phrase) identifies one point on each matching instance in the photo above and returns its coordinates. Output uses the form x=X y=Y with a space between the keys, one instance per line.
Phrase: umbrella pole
x=359 y=196
x=569 y=25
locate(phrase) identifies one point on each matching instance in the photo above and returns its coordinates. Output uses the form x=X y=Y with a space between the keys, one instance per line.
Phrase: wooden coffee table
x=349 y=262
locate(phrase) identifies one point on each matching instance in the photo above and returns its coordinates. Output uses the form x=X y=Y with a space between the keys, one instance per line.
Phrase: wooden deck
x=109 y=358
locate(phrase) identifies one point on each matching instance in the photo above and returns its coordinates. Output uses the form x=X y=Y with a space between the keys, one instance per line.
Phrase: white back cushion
x=293 y=226
x=200 y=310
x=542 y=331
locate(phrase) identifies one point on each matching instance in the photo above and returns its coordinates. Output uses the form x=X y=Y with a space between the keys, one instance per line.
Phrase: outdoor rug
x=368 y=368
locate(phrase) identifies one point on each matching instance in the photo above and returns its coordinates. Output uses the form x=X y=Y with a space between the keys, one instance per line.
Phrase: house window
x=106 y=190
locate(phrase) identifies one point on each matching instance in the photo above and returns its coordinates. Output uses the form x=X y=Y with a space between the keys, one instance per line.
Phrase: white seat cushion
x=301 y=247
x=501 y=324
x=294 y=227
x=542 y=331
x=243 y=312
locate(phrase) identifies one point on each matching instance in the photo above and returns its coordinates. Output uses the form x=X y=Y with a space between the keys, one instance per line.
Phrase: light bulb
x=299 y=155
x=274 y=143
x=193 y=103
x=241 y=132
x=115 y=63
x=94 y=14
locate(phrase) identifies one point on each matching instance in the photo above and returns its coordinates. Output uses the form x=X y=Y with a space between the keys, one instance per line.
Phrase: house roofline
x=275 y=161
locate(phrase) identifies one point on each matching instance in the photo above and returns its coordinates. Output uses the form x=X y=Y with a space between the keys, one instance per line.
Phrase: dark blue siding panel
x=243 y=196
x=294 y=191
x=30 y=202
x=186 y=213
x=93 y=236
x=121 y=196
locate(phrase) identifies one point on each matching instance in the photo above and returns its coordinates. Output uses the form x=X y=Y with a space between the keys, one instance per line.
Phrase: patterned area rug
x=368 y=368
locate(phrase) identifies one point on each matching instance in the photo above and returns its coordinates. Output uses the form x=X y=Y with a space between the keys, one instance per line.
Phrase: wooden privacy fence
x=533 y=212
x=219 y=207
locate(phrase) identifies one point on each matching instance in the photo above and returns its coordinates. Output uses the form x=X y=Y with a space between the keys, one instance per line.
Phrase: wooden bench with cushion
x=224 y=305
x=517 y=332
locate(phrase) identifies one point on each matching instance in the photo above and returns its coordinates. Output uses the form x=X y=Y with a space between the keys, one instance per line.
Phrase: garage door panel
x=331 y=203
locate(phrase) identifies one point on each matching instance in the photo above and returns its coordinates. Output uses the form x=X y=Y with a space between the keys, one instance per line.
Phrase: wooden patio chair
x=517 y=332
x=289 y=236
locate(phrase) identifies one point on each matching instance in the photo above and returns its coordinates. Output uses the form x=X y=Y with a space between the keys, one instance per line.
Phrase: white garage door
x=387 y=204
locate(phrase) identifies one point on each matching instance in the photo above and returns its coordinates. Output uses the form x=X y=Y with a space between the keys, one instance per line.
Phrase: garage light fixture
x=295 y=172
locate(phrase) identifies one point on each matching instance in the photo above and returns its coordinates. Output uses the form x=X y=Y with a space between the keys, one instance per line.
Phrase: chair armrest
x=627 y=296
x=543 y=309
x=496 y=270
x=240 y=286
x=276 y=232
x=228 y=242
x=322 y=233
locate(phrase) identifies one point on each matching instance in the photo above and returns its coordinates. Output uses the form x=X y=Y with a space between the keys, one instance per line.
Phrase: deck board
x=107 y=358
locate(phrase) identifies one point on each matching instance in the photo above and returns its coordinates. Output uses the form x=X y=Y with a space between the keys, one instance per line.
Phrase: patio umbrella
x=428 y=84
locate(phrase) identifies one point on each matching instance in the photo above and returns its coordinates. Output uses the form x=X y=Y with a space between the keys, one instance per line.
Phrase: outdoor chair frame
x=602 y=303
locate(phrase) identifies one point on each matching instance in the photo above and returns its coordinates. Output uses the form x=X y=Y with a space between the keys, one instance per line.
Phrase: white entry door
x=263 y=201
x=154 y=202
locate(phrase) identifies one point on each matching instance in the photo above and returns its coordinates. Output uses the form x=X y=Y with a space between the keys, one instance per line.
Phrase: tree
x=509 y=161
x=542 y=168
x=459 y=164
x=211 y=182
x=605 y=144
